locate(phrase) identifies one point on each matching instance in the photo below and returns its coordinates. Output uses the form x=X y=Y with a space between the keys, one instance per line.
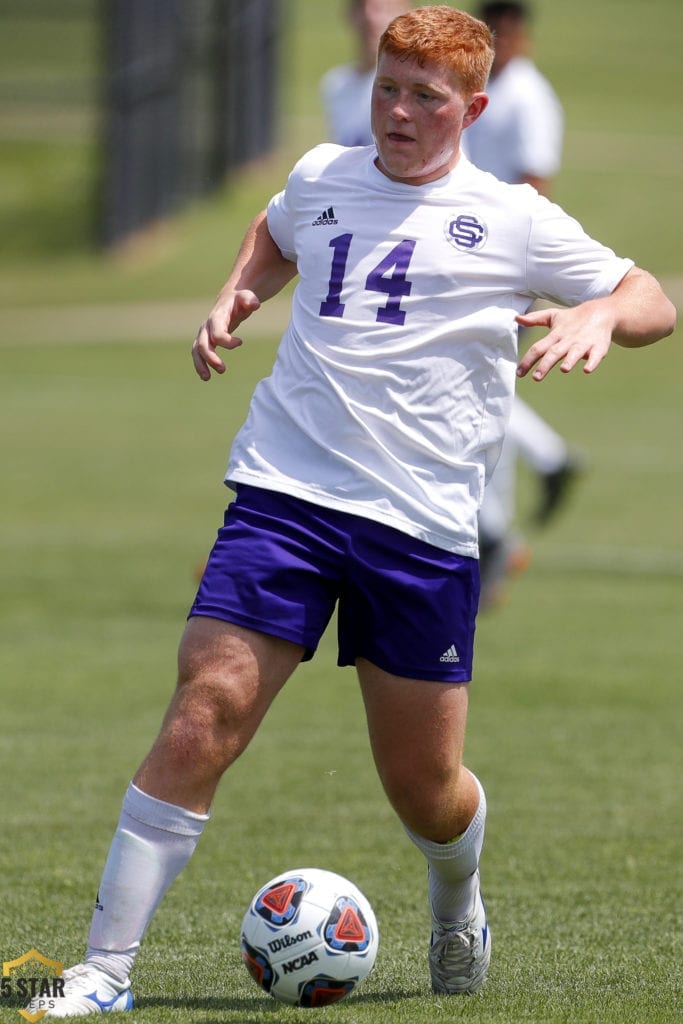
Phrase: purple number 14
x=388 y=277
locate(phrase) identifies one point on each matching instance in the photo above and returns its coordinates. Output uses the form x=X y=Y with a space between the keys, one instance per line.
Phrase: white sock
x=453 y=867
x=153 y=842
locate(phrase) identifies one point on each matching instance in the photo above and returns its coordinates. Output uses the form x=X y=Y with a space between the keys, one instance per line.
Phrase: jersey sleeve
x=281 y=222
x=282 y=210
x=564 y=264
x=285 y=209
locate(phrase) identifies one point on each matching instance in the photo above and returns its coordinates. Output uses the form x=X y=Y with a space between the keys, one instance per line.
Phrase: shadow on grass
x=261 y=1006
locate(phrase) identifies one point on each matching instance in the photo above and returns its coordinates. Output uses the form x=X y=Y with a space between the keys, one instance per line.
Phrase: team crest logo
x=465 y=231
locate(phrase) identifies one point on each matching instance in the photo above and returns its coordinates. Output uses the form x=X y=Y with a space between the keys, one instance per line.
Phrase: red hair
x=443 y=36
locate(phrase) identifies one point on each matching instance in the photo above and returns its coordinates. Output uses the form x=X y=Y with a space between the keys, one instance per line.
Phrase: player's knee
x=422 y=791
x=208 y=725
x=209 y=703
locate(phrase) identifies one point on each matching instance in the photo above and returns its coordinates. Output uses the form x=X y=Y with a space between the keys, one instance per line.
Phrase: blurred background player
x=519 y=139
x=346 y=89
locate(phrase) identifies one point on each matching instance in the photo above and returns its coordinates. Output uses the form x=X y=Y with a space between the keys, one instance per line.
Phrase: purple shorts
x=280 y=565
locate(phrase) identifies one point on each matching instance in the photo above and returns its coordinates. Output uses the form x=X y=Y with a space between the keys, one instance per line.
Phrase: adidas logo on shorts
x=450 y=655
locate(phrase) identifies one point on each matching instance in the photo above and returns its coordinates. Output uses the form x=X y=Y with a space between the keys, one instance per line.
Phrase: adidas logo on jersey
x=450 y=655
x=326 y=217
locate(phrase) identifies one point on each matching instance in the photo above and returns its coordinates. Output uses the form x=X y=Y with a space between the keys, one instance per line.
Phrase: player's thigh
x=408 y=607
x=231 y=670
x=416 y=727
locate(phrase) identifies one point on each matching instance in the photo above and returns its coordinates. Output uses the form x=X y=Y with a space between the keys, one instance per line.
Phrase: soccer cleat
x=86 y=990
x=555 y=487
x=459 y=955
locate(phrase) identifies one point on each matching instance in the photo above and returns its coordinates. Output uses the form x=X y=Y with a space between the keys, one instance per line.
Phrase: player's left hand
x=582 y=333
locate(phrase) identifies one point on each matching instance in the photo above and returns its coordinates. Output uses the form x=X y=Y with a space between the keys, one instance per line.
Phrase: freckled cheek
x=446 y=143
x=378 y=113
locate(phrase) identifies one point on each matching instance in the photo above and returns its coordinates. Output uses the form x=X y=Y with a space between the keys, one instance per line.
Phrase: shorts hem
x=428 y=676
x=247 y=622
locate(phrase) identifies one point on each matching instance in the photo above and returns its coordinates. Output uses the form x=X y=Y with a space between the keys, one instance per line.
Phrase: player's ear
x=479 y=101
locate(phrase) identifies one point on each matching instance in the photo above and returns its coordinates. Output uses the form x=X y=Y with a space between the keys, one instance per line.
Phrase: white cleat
x=86 y=990
x=459 y=955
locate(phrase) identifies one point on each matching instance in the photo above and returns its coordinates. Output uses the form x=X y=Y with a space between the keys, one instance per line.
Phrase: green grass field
x=112 y=462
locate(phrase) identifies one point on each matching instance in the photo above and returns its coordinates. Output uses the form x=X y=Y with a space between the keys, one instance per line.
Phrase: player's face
x=418 y=114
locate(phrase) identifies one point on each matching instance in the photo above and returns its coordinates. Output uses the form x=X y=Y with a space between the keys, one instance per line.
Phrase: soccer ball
x=309 y=937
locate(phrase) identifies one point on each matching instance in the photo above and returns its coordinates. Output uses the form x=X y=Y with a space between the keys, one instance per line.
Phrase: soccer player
x=359 y=471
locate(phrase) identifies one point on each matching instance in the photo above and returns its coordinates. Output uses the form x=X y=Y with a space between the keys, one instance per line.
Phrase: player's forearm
x=542 y=185
x=642 y=312
x=260 y=266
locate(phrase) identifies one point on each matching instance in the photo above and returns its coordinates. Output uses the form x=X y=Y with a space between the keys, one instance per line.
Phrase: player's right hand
x=216 y=332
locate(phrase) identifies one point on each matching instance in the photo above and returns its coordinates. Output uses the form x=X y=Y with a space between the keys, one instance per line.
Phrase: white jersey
x=519 y=135
x=394 y=379
x=346 y=94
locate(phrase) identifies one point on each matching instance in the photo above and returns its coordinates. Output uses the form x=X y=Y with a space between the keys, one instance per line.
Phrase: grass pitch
x=112 y=495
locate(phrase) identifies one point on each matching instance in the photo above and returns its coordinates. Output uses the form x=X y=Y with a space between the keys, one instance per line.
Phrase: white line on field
x=158 y=321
